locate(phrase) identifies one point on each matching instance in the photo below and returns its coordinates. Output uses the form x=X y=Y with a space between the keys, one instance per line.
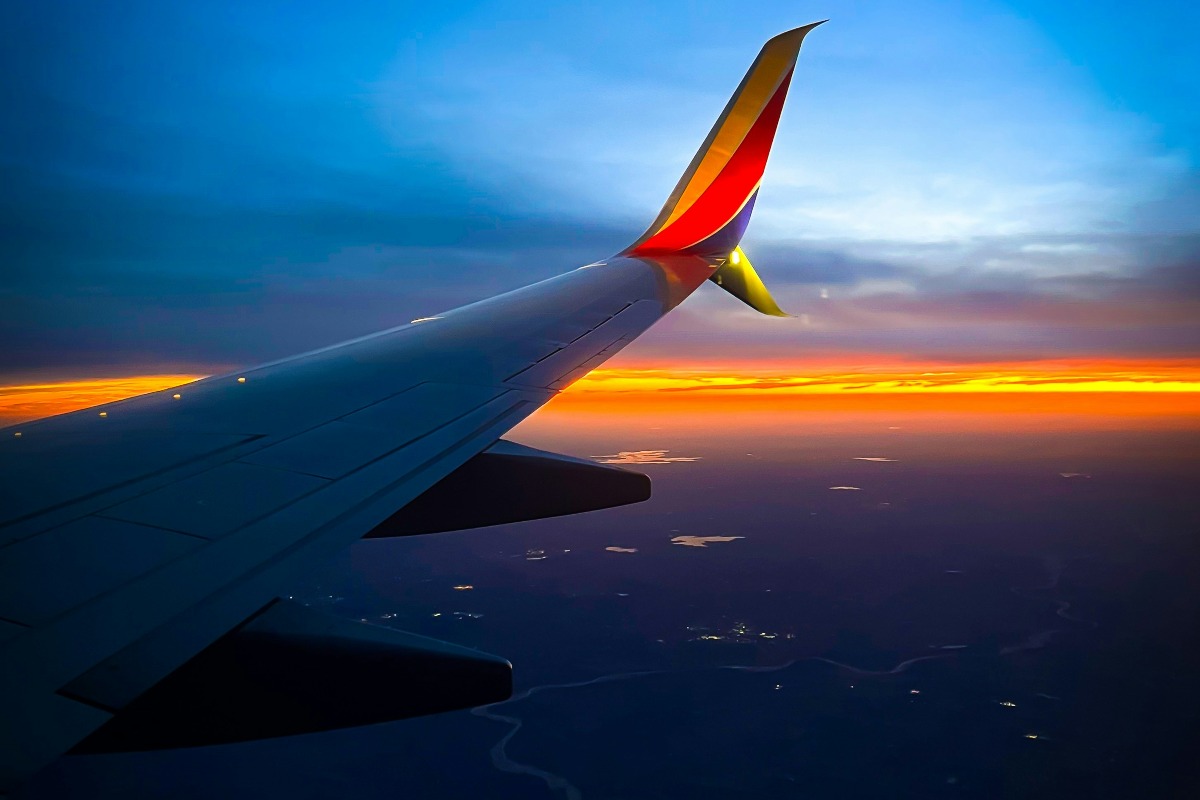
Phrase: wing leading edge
x=135 y=535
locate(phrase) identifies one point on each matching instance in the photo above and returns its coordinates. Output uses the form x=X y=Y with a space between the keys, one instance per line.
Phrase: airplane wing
x=144 y=544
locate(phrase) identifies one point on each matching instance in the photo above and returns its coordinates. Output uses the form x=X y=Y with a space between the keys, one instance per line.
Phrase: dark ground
x=1010 y=608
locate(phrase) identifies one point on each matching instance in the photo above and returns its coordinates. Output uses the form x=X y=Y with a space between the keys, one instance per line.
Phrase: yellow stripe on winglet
x=776 y=58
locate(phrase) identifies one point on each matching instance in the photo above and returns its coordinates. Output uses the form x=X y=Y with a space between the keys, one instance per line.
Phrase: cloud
x=1138 y=298
x=702 y=541
x=644 y=457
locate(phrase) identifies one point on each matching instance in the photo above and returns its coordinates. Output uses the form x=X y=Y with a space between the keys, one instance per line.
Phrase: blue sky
x=202 y=185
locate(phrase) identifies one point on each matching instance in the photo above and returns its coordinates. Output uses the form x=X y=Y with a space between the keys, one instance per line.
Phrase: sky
x=189 y=187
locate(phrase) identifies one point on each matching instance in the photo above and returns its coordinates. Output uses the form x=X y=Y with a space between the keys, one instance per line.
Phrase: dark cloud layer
x=964 y=316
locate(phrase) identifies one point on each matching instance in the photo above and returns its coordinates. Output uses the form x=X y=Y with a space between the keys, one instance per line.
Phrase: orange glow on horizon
x=23 y=402
x=1144 y=388
x=1168 y=390
x=810 y=379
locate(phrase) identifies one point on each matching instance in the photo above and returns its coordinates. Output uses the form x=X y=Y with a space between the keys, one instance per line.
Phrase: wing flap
x=68 y=566
x=627 y=322
x=9 y=629
x=338 y=448
x=332 y=450
x=423 y=408
x=87 y=459
x=217 y=502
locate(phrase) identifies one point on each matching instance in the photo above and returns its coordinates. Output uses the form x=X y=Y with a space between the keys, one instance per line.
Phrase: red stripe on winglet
x=728 y=192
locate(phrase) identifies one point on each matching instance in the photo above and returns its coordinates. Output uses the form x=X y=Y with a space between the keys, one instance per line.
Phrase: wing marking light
x=241 y=380
x=735 y=258
x=176 y=396
x=104 y=413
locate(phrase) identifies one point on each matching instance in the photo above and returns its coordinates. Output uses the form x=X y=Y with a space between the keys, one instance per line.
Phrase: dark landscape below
x=891 y=605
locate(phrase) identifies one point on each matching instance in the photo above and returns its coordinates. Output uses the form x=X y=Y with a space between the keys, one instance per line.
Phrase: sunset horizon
x=1165 y=386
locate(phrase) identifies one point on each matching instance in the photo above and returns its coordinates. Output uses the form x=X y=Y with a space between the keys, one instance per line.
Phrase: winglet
x=710 y=208
x=738 y=277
